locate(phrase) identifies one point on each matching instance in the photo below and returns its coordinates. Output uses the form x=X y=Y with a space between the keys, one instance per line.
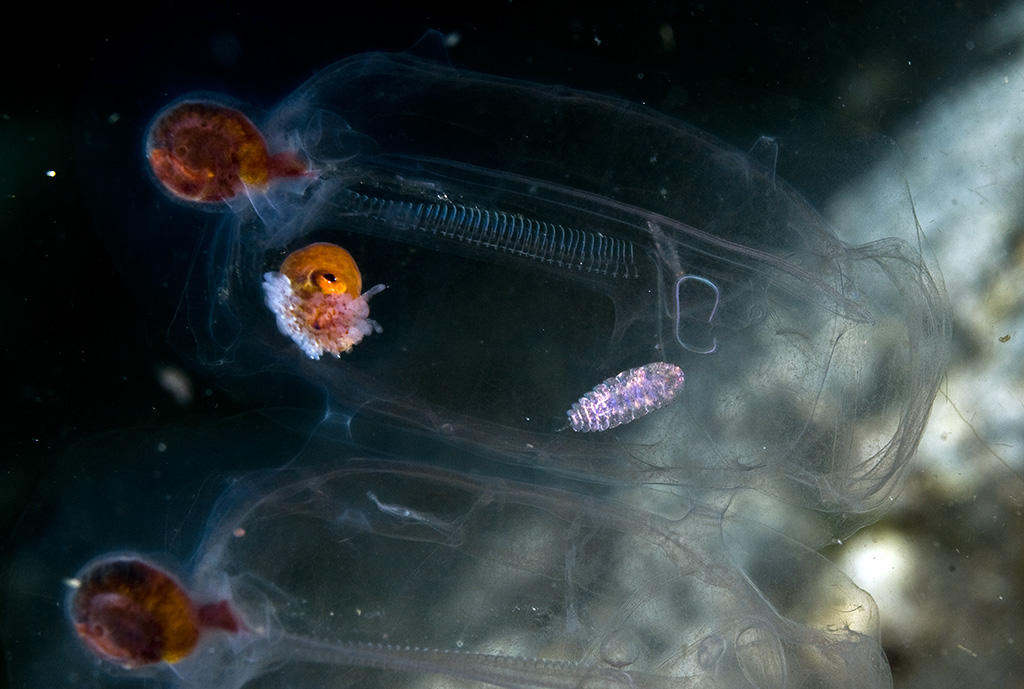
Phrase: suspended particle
x=318 y=302
x=626 y=397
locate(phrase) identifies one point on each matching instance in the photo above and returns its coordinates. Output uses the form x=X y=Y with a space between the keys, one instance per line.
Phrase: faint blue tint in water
x=673 y=551
x=827 y=358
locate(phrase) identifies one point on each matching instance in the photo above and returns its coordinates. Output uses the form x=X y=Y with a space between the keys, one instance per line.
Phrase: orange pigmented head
x=204 y=152
x=132 y=613
x=325 y=268
x=317 y=299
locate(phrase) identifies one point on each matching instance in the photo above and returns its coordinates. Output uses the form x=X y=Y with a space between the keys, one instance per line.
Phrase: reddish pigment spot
x=133 y=613
x=205 y=152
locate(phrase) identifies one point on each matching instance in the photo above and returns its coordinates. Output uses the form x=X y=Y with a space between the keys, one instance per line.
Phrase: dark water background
x=81 y=347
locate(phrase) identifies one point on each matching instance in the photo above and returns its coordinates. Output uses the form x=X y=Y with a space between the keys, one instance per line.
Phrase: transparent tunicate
x=810 y=363
x=373 y=572
x=534 y=241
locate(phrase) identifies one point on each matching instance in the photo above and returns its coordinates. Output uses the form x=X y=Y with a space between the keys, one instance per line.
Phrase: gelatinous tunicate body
x=387 y=574
x=535 y=239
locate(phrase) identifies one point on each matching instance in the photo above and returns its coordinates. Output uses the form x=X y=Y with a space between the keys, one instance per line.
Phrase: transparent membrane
x=823 y=356
x=369 y=572
x=675 y=550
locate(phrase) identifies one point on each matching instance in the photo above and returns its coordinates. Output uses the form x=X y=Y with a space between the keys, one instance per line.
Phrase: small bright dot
x=51 y=173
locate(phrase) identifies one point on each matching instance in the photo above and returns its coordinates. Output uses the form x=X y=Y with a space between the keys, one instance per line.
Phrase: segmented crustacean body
x=626 y=397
